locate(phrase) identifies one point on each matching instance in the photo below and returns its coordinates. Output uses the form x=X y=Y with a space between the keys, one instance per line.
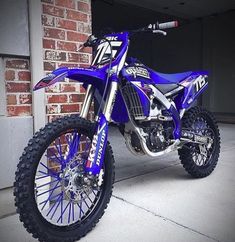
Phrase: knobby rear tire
x=185 y=154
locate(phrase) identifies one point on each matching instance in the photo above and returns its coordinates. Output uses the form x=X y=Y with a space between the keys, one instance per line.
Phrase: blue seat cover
x=171 y=78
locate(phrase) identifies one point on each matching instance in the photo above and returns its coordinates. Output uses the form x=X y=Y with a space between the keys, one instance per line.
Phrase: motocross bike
x=65 y=175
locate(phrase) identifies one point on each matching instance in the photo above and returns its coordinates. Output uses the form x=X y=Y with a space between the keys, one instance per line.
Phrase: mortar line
x=165 y=218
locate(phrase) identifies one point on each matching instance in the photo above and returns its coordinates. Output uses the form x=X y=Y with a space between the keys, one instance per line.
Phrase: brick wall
x=66 y=25
x=18 y=87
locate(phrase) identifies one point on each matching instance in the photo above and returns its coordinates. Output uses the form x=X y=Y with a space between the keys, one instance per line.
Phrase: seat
x=161 y=78
x=168 y=82
x=165 y=88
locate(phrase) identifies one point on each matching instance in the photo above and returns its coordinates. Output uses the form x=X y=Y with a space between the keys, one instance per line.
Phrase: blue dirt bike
x=65 y=175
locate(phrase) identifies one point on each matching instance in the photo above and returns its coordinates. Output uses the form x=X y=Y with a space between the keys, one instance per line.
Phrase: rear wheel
x=56 y=199
x=200 y=160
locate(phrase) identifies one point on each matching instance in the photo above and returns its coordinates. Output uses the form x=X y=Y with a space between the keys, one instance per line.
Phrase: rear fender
x=88 y=75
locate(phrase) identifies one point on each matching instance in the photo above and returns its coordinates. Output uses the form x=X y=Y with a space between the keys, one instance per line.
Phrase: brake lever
x=158 y=31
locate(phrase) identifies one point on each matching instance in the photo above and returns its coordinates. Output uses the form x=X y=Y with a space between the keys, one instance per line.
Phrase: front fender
x=92 y=76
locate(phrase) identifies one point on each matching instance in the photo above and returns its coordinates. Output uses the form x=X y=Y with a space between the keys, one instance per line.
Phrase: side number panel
x=200 y=82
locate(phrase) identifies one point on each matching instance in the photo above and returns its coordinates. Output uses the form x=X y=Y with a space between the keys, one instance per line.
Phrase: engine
x=156 y=135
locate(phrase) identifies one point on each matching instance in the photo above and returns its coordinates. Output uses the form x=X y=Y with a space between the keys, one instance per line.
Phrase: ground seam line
x=7 y=215
x=127 y=178
x=164 y=218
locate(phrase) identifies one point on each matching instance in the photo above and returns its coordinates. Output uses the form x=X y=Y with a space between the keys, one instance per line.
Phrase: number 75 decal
x=200 y=82
x=105 y=49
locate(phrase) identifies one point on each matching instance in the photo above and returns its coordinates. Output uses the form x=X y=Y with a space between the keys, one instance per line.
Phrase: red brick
x=68 y=87
x=10 y=75
x=53 y=89
x=57 y=98
x=48 y=20
x=48 y=44
x=55 y=55
x=82 y=89
x=66 y=24
x=24 y=76
x=52 y=118
x=17 y=64
x=74 y=36
x=84 y=7
x=82 y=65
x=54 y=11
x=18 y=87
x=11 y=99
x=65 y=3
x=71 y=65
x=49 y=66
x=25 y=99
x=73 y=57
x=48 y=1
x=68 y=46
x=54 y=33
x=19 y=110
x=69 y=108
x=87 y=50
x=92 y=107
x=51 y=109
x=75 y=98
x=81 y=58
x=84 y=28
x=78 y=16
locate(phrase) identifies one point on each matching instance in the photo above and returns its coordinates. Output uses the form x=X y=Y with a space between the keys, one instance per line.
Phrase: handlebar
x=156 y=28
x=168 y=25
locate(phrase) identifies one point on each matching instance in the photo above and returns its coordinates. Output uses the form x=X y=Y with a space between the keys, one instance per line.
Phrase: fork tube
x=110 y=100
x=87 y=101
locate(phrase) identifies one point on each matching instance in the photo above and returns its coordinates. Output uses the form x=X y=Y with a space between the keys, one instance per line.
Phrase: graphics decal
x=103 y=52
x=138 y=71
x=199 y=83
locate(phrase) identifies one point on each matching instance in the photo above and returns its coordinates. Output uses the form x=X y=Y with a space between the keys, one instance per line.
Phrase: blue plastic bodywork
x=137 y=75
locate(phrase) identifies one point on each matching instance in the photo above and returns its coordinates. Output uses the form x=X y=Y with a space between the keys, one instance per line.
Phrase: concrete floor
x=155 y=200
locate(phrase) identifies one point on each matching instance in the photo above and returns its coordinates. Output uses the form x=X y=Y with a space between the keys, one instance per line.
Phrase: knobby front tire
x=31 y=214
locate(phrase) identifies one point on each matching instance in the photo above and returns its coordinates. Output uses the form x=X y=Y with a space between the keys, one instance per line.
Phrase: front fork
x=96 y=155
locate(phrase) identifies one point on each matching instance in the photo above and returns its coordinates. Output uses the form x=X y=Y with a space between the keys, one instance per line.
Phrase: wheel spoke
x=84 y=200
x=49 y=199
x=69 y=212
x=81 y=211
x=48 y=191
x=73 y=145
x=49 y=170
x=37 y=178
x=57 y=200
x=73 y=210
x=44 y=173
x=62 y=213
x=50 y=196
x=48 y=183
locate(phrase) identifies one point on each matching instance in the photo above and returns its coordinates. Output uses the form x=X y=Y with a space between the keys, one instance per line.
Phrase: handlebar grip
x=168 y=25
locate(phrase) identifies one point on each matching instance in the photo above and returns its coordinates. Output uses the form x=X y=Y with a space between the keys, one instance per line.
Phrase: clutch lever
x=158 y=31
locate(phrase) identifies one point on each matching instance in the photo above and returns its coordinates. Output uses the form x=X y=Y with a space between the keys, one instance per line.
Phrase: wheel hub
x=76 y=185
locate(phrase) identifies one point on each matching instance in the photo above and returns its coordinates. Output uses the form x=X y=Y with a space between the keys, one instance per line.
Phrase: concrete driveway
x=155 y=200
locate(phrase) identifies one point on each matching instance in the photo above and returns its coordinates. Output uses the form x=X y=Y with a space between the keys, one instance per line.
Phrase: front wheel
x=57 y=201
x=197 y=159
